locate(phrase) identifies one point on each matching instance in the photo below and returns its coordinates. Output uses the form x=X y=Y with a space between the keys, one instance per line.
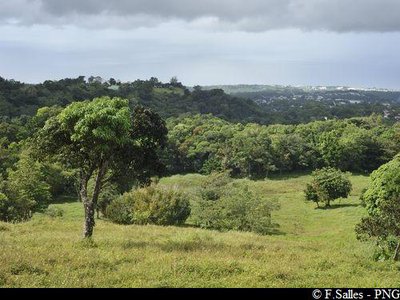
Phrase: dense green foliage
x=327 y=185
x=200 y=143
x=271 y=105
x=203 y=143
x=382 y=200
x=225 y=205
x=99 y=137
x=384 y=185
x=106 y=146
x=167 y=99
x=150 y=205
x=25 y=189
x=57 y=144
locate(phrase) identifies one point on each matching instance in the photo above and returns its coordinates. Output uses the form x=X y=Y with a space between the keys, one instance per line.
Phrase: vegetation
x=24 y=191
x=58 y=147
x=101 y=136
x=327 y=185
x=167 y=99
x=206 y=144
x=294 y=105
x=266 y=105
x=234 y=207
x=150 y=205
x=311 y=248
x=382 y=200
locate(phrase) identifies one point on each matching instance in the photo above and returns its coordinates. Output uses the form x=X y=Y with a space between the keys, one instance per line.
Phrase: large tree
x=382 y=201
x=103 y=137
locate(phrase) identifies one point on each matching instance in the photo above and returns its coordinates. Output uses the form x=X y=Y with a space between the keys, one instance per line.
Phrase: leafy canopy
x=327 y=185
x=87 y=133
x=382 y=200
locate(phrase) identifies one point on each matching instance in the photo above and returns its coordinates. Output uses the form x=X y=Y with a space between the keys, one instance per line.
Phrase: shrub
x=54 y=212
x=15 y=210
x=214 y=187
x=328 y=184
x=238 y=208
x=150 y=205
x=120 y=210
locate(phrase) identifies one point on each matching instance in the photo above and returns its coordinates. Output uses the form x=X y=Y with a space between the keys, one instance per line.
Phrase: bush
x=328 y=184
x=238 y=208
x=15 y=210
x=150 y=205
x=214 y=187
x=120 y=210
x=54 y=212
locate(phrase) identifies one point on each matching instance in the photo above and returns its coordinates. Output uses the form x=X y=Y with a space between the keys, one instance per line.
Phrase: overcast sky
x=296 y=42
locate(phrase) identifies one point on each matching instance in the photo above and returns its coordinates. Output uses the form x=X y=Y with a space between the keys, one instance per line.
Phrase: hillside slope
x=167 y=99
x=315 y=247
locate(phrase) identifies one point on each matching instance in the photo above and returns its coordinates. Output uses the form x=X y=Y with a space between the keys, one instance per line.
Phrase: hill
x=314 y=247
x=241 y=103
x=293 y=105
x=167 y=99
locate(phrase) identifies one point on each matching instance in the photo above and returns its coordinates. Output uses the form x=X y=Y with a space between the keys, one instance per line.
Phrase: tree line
x=204 y=143
x=172 y=99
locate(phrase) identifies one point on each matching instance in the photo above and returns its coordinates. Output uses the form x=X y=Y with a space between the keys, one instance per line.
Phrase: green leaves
x=382 y=200
x=150 y=205
x=104 y=129
x=384 y=185
x=101 y=121
x=328 y=184
x=24 y=190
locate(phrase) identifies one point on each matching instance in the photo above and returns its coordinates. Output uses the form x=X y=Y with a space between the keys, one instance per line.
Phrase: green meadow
x=312 y=247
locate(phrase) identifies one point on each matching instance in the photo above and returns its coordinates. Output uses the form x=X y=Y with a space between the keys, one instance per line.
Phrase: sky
x=287 y=42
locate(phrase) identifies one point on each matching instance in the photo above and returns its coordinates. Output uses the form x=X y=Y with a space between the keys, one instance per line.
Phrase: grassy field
x=314 y=247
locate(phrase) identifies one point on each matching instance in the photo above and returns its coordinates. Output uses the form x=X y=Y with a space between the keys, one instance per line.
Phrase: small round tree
x=382 y=200
x=100 y=136
x=328 y=184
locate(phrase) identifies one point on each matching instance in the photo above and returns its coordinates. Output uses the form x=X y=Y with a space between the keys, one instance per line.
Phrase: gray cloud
x=247 y=15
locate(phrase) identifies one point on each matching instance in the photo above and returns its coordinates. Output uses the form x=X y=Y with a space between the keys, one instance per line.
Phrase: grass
x=314 y=247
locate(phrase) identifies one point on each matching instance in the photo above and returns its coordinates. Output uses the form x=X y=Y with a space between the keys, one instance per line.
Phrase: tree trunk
x=89 y=219
x=396 y=252
x=88 y=207
x=99 y=183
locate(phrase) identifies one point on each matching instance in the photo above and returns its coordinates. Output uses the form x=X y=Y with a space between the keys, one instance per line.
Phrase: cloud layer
x=245 y=15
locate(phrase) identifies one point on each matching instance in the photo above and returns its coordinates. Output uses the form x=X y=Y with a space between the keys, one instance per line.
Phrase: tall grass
x=314 y=247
